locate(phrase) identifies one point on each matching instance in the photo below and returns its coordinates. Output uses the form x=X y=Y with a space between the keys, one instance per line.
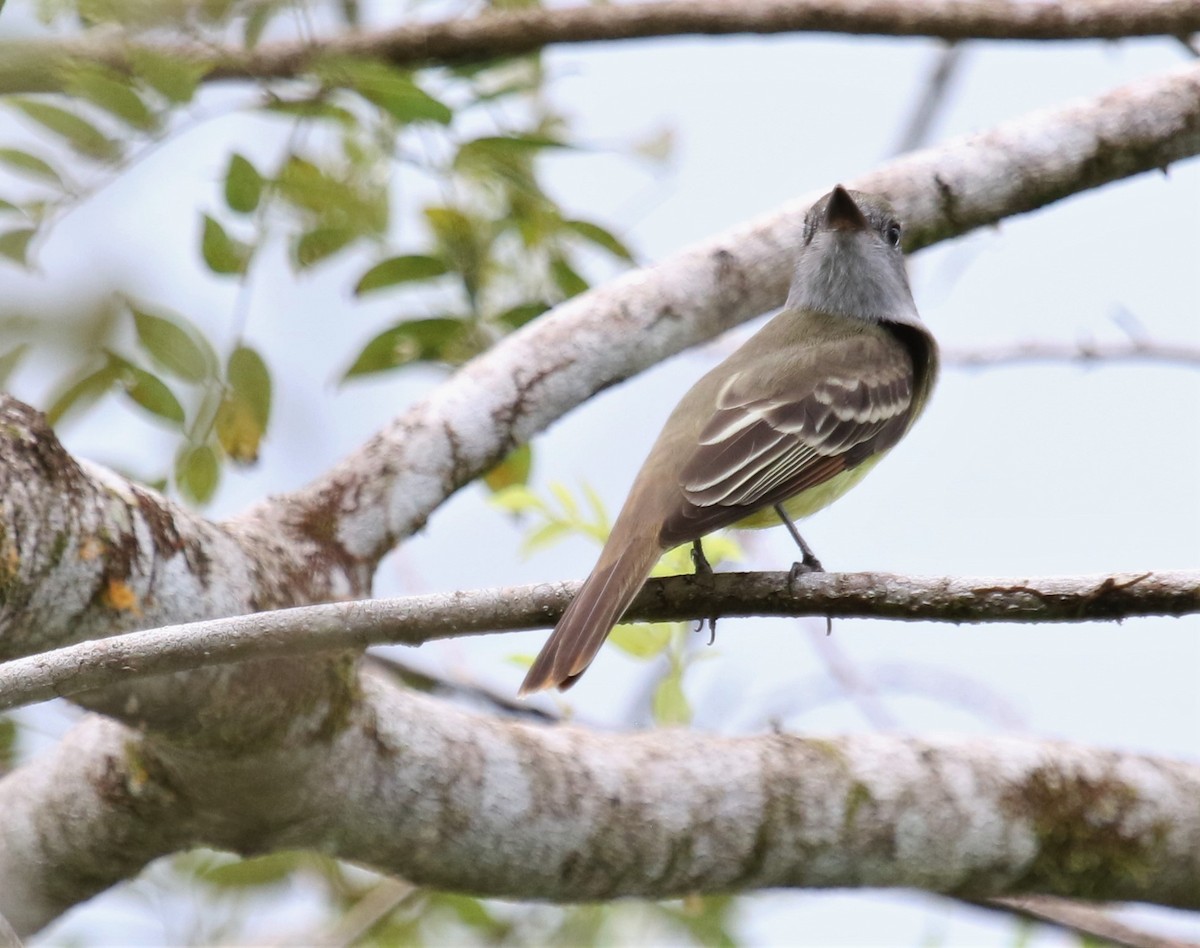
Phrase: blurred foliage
x=428 y=182
x=559 y=515
x=366 y=909
x=430 y=176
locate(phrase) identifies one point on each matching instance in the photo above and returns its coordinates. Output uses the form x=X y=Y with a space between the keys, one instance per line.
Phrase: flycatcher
x=784 y=426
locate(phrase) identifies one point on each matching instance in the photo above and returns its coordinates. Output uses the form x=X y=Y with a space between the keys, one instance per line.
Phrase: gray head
x=850 y=263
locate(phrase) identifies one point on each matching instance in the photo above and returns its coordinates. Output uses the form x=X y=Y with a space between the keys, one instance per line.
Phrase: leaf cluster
x=427 y=182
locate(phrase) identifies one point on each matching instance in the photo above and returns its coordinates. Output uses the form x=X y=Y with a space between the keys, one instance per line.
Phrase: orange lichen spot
x=91 y=548
x=119 y=595
x=11 y=560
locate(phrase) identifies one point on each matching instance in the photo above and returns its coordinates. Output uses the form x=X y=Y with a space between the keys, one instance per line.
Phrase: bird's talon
x=712 y=627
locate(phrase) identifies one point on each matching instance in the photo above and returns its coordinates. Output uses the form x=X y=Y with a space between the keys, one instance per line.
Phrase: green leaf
x=315 y=245
x=79 y=133
x=599 y=513
x=197 y=473
x=246 y=408
x=519 y=315
x=86 y=387
x=418 y=340
x=244 y=873
x=173 y=77
x=391 y=89
x=238 y=432
x=565 y=277
x=222 y=253
x=473 y=913
x=243 y=185
x=504 y=155
x=149 y=391
x=216 y=11
x=14 y=244
x=30 y=165
x=312 y=107
x=514 y=469
x=464 y=242
x=670 y=704
x=175 y=345
x=352 y=205
x=565 y=500
x=8 y=743
x=595 y=234
x=641 y=641
x=400 y=270
x=112 y=92
x=544 y=536
x=10 y=360
x=517 y=499
x=250 y=380
x=256 y=22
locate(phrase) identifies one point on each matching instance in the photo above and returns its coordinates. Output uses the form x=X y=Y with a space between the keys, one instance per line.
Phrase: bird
x=781 y=428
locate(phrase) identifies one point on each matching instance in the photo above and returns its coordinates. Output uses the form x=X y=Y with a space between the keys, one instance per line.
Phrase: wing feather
x=774 y=435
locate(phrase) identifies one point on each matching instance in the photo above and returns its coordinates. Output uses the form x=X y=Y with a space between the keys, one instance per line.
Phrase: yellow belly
x=810 y=501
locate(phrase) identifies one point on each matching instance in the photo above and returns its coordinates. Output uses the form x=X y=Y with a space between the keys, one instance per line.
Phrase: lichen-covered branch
x=418 y=619
x=445 y=798
x=86 y=554
x=385 y=491
x=37 y=66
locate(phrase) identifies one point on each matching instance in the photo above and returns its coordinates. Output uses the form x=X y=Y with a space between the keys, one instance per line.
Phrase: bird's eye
x=892 y=233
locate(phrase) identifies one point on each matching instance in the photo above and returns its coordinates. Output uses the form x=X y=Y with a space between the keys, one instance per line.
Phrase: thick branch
x=86 y=554
x=418 y=619
x=29 y=67
x=441 y=797
x=385 y=491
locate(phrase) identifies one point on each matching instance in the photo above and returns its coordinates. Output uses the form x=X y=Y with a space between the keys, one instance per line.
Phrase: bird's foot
x=810 y=564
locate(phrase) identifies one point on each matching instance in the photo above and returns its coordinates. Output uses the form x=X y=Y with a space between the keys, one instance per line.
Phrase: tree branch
x=441 y=797
x=85 y=554
x=27 y=67
x=418 y=619
x=1134 y=350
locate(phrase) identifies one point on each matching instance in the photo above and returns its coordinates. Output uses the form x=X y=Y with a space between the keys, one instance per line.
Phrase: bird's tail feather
x=596 y=608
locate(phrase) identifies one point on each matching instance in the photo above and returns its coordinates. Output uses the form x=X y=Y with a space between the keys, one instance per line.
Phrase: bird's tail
x=596 y=608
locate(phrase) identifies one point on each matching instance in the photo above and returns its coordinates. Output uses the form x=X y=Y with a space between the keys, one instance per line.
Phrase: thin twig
x=417 y=619
x=1134 y=350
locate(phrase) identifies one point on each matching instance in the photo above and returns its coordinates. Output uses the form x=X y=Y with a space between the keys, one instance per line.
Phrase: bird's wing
x=774 y=435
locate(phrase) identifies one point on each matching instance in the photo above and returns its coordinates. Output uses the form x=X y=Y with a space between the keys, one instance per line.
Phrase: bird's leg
x=704 y=568
x=808 y=564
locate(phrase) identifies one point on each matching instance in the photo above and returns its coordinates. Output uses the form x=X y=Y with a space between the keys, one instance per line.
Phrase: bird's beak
x=842 y=213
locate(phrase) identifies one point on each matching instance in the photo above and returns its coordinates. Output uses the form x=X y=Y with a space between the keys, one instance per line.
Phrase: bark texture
x=445 y=798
